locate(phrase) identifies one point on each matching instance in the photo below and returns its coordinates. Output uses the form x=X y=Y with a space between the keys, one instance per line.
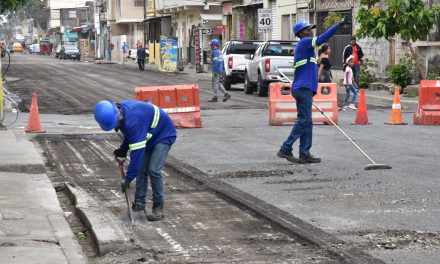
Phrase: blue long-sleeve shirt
x=217 y=61
x=306 y=68
x=144 y=126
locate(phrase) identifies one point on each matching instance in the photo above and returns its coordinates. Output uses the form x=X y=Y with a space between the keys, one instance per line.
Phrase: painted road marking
x=176 y=246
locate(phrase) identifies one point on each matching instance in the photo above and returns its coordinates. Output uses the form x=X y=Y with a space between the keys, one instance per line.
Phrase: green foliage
x=403 y=73
x=82 y=236
x=365 y=75
x=385 y=19
x=11 y=5
x=331 y=19
x=433 y=76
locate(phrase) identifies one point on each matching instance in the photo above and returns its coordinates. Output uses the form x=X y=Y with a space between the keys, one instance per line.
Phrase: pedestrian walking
x=349 y=84
x=149 y=134
x=304 y=87
x=141 y=58
x=124 y=51
x=324 y=65
x=218 y=68
x=353 y=49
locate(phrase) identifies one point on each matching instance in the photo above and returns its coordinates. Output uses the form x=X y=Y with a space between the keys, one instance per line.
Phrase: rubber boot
x=157 y=213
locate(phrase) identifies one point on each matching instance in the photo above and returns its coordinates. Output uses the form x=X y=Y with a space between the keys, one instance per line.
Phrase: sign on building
x=264 y=20
x=72 y=14
x=206 y=31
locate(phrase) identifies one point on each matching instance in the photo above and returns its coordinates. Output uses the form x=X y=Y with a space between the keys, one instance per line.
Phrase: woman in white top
x=349 y=83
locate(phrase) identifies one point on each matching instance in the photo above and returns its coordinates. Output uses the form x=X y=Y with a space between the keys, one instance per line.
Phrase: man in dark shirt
x=353 y=49
x=141 y=58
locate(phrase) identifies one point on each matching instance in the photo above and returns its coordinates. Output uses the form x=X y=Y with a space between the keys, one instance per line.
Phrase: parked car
x=260 y=68
x=34 y=48
x=132 y=53
x=17 y=47
x=234 y=52
x=70 y=52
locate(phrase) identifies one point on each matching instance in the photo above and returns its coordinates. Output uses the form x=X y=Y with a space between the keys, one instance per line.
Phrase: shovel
x=121 y=170
x=373 y=165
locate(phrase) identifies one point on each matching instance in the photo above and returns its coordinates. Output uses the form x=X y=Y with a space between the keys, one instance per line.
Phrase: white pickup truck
x=260 y=68
x=234 y=52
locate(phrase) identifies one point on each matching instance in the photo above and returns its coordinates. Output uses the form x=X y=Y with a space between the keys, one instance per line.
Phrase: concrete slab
x=107 y=233
x=18 y=155
x=33 y=228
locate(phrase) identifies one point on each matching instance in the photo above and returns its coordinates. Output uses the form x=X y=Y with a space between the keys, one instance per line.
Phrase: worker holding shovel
x=149 y=134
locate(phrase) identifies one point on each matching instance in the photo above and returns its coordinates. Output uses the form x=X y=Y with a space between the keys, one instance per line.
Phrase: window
x=138 y=2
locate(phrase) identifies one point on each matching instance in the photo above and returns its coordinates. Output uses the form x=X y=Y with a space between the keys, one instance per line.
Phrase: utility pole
x=145 y=17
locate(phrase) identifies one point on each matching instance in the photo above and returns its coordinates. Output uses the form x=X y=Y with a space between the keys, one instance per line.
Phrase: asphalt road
x=391 y=214
x=72 y=87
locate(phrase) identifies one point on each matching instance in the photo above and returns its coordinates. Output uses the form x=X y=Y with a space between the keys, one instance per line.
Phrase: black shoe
x=309 y=159
x=137 y=208
x=288 y=156
x=226 y=98
x=157 y=213
x=213 y=99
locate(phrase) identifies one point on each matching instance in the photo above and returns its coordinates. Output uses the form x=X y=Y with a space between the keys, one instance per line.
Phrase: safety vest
x=143 y=144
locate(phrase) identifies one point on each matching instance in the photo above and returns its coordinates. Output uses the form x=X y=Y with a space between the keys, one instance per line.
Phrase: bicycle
x=8 y=106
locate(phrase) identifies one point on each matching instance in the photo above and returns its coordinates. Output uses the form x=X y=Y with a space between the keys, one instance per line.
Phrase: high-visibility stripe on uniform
x=313 y=60
x=149 y=136
x=300 y=63
x=156 y=117
x=314 y=43
x=138 y=145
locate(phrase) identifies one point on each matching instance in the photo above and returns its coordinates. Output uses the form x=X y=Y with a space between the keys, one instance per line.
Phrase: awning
x=254 y=3
x=211 y=17
x=83 y=29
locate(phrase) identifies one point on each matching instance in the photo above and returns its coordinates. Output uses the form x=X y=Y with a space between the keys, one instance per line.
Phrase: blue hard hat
x=301 y=25
x=214 y=42
x=106 y=114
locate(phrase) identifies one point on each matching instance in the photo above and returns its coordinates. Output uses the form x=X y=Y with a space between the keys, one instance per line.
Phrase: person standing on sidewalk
x=304 y=87
x=218 y=68
x=124 y=51
x=149 y=134
x=110 y=49
x=141 y=58
x=356 y=51
x=349 y=84
x=324 y=65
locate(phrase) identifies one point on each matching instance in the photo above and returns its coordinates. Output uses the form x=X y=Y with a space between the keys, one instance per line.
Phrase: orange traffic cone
x=396 y=113
x=34 y=125
x=361 y=114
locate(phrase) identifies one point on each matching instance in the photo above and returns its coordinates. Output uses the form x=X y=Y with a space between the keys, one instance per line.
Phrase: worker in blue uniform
x=304 y=87
x=218 y=69
x=148 y=134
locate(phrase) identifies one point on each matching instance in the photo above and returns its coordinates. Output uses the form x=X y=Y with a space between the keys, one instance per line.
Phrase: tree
x=10 y=5
x=407 y=18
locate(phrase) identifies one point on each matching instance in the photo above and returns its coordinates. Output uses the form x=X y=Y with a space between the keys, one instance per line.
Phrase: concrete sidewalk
x=33 y=228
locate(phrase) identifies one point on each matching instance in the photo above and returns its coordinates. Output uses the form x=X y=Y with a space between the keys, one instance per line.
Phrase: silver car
x=261 y=67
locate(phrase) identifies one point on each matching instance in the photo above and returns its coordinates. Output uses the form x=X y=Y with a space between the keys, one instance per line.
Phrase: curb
x=377 y=101
x=107 y=234
x=295 y=226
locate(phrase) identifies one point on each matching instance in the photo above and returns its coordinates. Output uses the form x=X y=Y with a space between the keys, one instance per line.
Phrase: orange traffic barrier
x=34 y=125
x=181 y=102
x=428 y=111
x=396 y=112
x=361 y=114
x=282 y=105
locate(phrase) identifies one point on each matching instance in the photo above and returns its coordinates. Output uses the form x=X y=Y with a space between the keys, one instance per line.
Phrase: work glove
x=124 y=186
x=345 y=21
x=119 y=153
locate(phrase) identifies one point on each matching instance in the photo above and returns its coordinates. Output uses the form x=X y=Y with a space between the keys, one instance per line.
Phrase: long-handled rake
x=122 y=172
x=373 y=165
